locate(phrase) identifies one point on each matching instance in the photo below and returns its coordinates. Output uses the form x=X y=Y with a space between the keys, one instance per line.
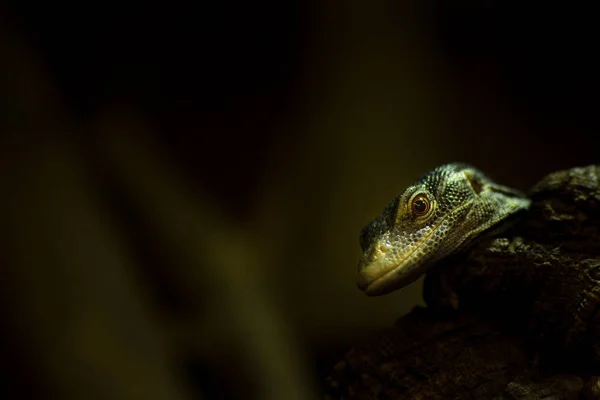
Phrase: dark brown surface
x=544 y=273
x=423 y=357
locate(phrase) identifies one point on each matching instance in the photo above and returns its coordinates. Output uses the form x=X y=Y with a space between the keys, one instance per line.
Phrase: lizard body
x=440 y=214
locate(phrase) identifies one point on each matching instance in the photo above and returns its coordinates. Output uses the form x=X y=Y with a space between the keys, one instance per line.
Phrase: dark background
x=184 y=184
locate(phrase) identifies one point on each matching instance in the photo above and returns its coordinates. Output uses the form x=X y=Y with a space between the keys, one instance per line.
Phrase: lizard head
x=440 y=214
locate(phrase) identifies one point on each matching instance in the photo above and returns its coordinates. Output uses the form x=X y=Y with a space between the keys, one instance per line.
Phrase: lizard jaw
x=382 y=276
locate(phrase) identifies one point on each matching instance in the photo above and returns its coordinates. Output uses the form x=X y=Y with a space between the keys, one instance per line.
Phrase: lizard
x=441 y=214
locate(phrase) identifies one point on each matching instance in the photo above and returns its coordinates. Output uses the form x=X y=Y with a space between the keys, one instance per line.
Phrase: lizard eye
x=420 y=205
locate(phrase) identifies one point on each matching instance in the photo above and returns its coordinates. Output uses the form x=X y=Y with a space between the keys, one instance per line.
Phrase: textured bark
x=423 y=357
x=541 y=279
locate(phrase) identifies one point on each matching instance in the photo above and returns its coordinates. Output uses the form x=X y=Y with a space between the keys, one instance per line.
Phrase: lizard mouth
x=384 y=270
x=383 y=276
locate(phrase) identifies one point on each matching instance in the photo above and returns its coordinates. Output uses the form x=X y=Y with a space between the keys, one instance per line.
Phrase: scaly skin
x=440 y=214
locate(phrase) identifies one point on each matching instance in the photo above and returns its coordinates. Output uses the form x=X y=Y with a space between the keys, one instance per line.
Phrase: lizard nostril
x=383 y=248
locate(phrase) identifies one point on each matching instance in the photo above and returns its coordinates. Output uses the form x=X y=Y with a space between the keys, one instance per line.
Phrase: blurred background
x=183 y=184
